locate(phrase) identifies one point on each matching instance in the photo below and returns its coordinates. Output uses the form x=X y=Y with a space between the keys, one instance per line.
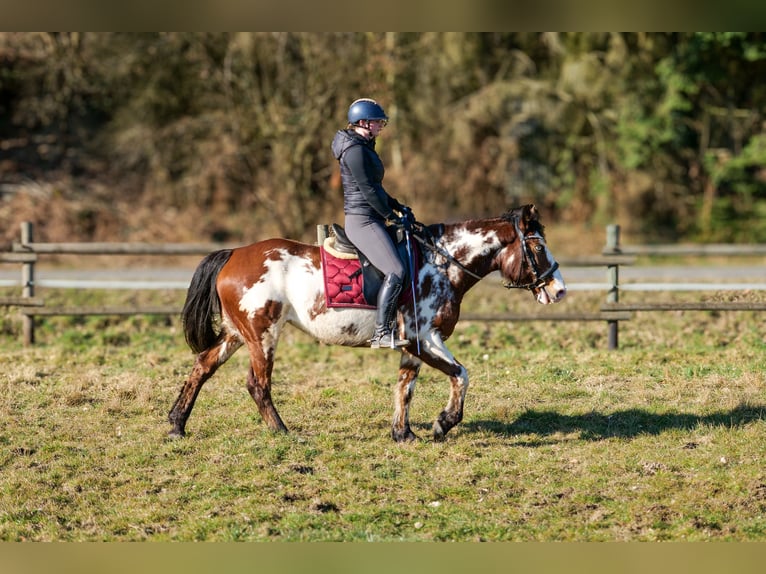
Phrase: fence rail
x=604 y=315
x=21 y=302
x=105 y=310
x=692 y=306
x=709 y=250
x=612 y=311
x=19 y=249
x=18 y=257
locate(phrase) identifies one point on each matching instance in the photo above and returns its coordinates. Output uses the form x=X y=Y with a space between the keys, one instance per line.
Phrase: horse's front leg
x=436 y=355
x=453 y=412
x=409 y=367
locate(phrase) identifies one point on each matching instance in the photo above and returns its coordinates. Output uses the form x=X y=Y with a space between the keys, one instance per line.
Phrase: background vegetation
x=226 y=136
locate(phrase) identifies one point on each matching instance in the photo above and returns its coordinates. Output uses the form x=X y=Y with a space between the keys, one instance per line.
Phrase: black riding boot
x=388 y=297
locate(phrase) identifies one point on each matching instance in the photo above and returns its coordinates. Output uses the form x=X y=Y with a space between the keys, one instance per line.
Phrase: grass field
x=664 y=439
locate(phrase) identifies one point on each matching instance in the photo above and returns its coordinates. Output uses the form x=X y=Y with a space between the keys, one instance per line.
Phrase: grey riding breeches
x=369 y=235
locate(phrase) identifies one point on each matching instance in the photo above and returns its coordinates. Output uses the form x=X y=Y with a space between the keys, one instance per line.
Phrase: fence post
x=613 y=277
x=27 y=285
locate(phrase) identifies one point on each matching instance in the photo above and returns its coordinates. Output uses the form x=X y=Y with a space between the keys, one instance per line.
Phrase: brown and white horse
x=245 y=296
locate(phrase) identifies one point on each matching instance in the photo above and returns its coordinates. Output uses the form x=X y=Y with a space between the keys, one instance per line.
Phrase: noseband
x=540 y=279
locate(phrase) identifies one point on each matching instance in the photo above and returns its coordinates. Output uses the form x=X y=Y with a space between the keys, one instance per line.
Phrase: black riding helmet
x=365 y=109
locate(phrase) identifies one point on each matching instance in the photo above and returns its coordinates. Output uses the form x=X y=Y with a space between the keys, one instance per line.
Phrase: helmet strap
x=366 y=128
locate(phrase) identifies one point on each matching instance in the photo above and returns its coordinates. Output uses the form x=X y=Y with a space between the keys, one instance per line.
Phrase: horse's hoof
x=406 y=436
x=176 y=434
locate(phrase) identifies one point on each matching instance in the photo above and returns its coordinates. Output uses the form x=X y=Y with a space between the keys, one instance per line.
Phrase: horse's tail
x=202 y=303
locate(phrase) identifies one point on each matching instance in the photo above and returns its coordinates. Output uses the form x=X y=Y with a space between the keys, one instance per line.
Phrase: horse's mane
x=533 y=224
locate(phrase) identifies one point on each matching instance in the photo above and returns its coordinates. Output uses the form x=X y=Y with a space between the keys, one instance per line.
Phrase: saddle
x=349 y=277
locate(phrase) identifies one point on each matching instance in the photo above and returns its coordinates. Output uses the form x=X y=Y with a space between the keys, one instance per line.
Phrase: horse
x=246 y=295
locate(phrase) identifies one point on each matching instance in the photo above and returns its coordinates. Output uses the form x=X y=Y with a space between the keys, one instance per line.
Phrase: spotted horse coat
x=246 y=296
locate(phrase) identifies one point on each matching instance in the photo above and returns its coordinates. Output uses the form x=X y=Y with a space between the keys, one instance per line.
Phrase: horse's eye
x=539 y=248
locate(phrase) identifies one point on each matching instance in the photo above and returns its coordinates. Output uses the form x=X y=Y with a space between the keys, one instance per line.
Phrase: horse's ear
x=529 y=213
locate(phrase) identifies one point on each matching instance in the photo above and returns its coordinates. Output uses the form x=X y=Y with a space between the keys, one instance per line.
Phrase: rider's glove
x=405 y=221
x=407 y=214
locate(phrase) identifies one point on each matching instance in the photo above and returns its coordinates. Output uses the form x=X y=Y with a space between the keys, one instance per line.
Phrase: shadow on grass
x=624 y=424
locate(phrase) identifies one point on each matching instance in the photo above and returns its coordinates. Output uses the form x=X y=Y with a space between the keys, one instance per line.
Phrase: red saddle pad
x=343 y=282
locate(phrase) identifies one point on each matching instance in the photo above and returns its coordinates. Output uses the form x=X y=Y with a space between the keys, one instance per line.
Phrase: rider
x=367 y=208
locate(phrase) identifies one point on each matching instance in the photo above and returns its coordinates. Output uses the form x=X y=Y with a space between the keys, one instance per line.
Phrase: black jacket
x=362 y=172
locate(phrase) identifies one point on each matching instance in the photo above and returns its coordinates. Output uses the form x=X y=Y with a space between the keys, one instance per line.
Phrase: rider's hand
x=405 y=221
x=407 y=214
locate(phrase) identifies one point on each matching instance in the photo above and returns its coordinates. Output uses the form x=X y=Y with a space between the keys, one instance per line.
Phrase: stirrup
x=387 y=340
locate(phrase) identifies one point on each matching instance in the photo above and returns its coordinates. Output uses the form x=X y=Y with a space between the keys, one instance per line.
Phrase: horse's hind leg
x=260 y=390
x=409 y=367
x=205 y=365
x=259 y=377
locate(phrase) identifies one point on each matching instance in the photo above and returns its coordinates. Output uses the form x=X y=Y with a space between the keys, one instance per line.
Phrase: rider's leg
x=371 y=238
x=385 y=335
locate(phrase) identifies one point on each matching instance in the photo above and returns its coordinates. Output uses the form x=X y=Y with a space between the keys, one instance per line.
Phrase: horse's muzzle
x=553 y=291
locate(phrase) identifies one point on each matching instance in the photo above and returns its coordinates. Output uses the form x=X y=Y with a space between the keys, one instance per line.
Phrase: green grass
x=562 y=439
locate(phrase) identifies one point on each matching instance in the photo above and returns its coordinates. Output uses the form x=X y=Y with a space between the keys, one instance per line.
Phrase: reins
x=432 y=247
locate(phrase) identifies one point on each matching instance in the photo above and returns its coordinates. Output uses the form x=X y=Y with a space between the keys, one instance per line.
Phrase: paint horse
x=246 y=296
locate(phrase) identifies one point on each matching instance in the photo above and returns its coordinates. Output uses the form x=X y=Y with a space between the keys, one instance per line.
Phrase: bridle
x=526 y=254
x=540 y=279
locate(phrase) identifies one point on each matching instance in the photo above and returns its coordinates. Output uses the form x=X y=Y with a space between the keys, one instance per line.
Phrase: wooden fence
x=27 y=252
x=614 y=248
x=612 y=312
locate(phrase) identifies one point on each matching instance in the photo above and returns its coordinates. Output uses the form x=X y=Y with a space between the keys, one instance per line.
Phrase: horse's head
x=525 y=262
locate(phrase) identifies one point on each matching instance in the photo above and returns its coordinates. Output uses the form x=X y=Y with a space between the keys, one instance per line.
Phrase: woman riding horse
x=367 y=208
x=247 y=295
